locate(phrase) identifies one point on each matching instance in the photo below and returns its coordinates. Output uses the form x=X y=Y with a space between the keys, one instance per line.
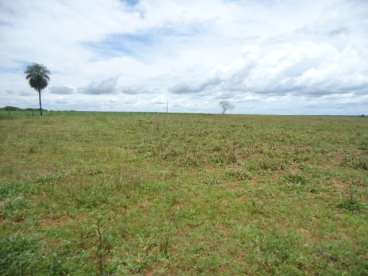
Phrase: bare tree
x=226 y=106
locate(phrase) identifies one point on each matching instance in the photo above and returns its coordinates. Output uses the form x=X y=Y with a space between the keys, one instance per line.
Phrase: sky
x=262 y=56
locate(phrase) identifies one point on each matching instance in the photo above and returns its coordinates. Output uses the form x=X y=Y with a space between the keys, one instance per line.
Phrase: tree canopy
x=38 y=76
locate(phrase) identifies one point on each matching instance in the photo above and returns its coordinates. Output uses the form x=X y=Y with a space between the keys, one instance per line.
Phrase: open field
x=121 y=193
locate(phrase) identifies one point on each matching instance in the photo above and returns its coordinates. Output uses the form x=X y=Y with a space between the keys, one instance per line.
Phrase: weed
x=19 y=256
x=364 y=145
x=15 y=208
x=356 y=162
x=351 y=203
x=238 y=174
x=100 y=249
x=361 y=163
x=295 y=180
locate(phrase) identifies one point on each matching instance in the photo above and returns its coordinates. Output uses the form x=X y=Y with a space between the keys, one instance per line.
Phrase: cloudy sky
x=264 y=56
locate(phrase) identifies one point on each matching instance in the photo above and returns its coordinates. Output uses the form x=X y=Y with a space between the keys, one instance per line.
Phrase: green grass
x=168 y=194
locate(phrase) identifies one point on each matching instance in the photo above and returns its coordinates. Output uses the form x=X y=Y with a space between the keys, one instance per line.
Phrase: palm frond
x=37 y=75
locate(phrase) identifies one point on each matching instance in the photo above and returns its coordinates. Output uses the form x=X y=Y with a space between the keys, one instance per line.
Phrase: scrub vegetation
x=181 y=194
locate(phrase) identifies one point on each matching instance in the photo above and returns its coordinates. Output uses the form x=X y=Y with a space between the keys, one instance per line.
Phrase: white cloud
x=107 y=86
x=61 y=90
x=265 y=56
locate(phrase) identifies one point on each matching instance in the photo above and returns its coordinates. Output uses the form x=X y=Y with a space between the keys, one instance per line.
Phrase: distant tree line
x=14 y=108
x=11 y=109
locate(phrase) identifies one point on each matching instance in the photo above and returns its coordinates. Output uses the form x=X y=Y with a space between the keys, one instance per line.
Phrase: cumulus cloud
x=107 y=86
x=195 y=53
x=304 y=68
x=191 y=88
x=133 y=90
x=61 y=90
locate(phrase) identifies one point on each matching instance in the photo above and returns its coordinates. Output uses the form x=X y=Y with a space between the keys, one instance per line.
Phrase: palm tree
x=38 y=77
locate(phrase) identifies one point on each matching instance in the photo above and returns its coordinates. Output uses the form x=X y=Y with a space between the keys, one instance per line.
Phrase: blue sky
x=269 y=56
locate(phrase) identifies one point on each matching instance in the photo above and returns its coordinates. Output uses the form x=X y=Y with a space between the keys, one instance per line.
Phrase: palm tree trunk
x=39 y=99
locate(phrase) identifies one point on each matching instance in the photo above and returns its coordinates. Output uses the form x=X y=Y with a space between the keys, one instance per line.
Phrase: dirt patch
x=51 y=222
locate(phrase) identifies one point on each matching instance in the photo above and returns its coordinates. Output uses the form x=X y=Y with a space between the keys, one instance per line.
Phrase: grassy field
x=171 y=194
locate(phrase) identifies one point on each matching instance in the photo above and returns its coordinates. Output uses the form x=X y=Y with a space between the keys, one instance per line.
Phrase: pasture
x=182 y=194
